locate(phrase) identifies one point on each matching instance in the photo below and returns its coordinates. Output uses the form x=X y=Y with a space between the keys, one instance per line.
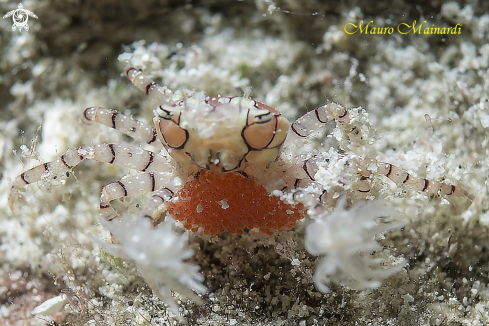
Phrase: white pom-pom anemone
x=160 y=256
x=346 y=239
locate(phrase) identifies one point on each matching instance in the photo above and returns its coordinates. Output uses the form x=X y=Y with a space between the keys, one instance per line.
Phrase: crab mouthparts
x=222 y=160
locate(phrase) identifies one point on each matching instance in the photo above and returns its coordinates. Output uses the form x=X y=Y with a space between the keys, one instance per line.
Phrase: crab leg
x=310 y=166
x=367 y=167
x=133 y=128
x=158 y=93
x=361 y=188
x=132 y=157
x=160 y=197
x=135 y=185
x=309 y=200
x=313 y=120
x=400 y=177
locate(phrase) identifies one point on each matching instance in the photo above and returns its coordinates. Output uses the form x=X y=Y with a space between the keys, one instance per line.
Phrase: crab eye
x=260 y=130
x=263 y=118
x=164 y=113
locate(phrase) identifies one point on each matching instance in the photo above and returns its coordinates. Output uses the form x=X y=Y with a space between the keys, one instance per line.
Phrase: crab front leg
x=133 y=128
x=300 y=176
x=132 y=157
x=303 y=173
x=137 y=185
x=160 y=197
x=313 y=120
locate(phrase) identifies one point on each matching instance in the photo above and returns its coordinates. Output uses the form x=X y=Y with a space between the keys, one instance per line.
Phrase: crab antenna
x=184 y=98
x=247 y=92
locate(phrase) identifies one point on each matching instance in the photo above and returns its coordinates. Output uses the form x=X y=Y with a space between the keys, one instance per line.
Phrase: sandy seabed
x=293 y=56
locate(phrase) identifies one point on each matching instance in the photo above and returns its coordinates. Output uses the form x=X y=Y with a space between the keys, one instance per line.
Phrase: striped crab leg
x=401 y=177
x=302 y=176
x=367 y=167
x=132 y=157
x=160 y=197
x=160 y=94
x=315 y=119
x=133 y=128
x=137 y=185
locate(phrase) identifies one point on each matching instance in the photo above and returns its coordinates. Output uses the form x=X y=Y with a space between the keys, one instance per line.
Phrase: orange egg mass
x=231 y=202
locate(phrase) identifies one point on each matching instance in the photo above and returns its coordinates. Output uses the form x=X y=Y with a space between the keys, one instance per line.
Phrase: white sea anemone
x=346 y=239
x=160 y=256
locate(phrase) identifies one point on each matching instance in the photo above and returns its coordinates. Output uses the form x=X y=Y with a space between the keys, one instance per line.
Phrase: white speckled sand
x=292 y=55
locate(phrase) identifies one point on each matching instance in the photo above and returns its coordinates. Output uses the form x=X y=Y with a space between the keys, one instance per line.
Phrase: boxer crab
x=228 y=152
